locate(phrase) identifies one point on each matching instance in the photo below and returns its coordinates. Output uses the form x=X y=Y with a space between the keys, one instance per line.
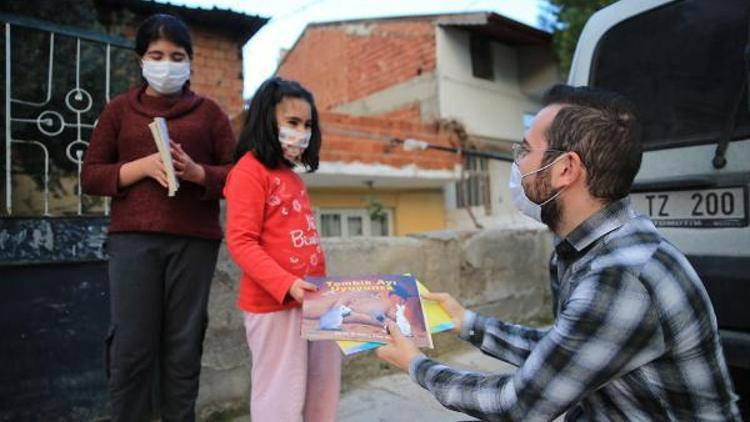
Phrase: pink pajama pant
x=292 y=379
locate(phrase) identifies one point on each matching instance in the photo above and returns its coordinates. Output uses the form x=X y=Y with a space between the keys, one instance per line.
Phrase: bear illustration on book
x=360 y=308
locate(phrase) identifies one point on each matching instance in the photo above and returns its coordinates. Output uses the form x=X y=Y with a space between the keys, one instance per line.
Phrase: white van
x=684 y=63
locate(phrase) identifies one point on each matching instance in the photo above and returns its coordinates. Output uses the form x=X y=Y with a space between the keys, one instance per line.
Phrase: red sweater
x=271 y=234
x=122 y=135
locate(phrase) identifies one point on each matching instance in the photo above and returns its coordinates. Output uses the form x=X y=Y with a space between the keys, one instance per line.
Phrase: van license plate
x=721 y=207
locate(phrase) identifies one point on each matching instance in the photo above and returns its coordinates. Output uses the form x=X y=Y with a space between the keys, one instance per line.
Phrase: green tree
x=566 y=18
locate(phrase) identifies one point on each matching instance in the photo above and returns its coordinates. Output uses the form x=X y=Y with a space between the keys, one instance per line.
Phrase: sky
x=288 y=19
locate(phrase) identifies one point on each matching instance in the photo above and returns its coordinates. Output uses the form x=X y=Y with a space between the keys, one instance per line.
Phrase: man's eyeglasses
x=521 y=150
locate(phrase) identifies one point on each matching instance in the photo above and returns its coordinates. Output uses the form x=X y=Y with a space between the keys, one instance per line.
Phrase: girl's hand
x=451 y=306
x=184 y=166
x=299 y=287
x=152 y=166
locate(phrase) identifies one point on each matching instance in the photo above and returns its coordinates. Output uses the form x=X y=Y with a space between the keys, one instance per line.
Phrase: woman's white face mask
x=293 y=142
x=166 y=77
x=518 y=195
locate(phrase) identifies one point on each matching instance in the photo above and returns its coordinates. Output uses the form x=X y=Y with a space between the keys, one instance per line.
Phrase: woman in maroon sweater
x=162 y=250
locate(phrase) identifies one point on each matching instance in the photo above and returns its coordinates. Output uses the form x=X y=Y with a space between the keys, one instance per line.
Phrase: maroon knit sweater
x=122 y=135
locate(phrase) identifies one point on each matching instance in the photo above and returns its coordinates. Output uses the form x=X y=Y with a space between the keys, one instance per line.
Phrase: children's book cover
x=358 y=308
x=437 y=319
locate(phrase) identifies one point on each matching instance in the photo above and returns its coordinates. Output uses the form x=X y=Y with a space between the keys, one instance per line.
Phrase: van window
x=684 y=90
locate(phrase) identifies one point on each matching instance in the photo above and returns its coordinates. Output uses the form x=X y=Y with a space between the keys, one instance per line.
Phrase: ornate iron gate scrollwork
x=52 y=123
x=53 y=270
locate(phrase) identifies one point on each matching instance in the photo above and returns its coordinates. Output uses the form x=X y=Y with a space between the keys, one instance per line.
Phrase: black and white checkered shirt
x=634 y=338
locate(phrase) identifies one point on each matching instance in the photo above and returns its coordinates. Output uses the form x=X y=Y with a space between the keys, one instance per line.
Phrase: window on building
x=353 y=222
x=474 y=190
x=481 y=57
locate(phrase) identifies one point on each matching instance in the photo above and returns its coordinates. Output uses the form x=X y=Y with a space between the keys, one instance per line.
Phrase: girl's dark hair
x=260 y=133
x=163 y=26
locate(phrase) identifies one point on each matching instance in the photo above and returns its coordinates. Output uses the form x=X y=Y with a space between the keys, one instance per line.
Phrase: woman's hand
x=184 y=166
x=299 y=287
x=148 y=166
x=152 y=166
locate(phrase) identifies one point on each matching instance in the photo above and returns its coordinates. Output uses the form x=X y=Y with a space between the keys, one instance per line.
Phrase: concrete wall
x=414 y=99
x=500 y=272
x=538 y=70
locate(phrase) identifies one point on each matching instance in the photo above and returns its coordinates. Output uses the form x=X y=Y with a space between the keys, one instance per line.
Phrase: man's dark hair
x=163 y=26
x=602 y=128
x=260 y=134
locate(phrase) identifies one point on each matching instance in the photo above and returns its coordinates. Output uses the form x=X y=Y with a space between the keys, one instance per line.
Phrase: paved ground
x=396 y=398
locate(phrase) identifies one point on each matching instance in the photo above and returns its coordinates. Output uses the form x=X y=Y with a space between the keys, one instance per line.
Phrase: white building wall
x=490 y=109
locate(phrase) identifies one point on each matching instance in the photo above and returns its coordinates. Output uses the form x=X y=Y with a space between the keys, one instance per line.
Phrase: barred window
x=474 y=190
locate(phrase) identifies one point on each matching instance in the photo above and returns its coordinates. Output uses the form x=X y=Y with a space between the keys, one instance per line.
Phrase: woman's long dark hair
x=260 y=134
x=163 y=26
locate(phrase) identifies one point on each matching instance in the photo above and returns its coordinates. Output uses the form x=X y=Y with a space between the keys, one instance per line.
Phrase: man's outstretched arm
x=605 y=329
x=508 y=342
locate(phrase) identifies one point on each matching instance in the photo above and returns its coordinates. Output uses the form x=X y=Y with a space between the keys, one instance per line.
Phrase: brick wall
x=319 y=62
x=344 y=62
x=217 y=69
x=365 y=139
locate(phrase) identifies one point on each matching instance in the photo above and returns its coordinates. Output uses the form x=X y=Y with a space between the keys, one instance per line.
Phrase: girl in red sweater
x=162 y=250
x=272 y=237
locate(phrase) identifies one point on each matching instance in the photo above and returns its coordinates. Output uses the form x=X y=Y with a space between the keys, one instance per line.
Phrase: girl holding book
x=272 y=237
x=162 y=250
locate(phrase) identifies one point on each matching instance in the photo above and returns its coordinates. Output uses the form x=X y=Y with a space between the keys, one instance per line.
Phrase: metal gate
x=53 y=281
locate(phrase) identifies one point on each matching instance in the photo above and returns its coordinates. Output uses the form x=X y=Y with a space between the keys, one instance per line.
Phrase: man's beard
x=542 y=191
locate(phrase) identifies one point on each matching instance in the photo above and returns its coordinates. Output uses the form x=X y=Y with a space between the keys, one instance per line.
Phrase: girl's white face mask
x=522 y=202
x=293 y=142
x=166 y=77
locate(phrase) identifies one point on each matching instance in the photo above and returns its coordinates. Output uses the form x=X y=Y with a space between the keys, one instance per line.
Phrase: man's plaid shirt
x=634 y=338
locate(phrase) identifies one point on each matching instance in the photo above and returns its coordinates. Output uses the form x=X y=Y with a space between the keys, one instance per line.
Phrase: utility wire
x=414 y=145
